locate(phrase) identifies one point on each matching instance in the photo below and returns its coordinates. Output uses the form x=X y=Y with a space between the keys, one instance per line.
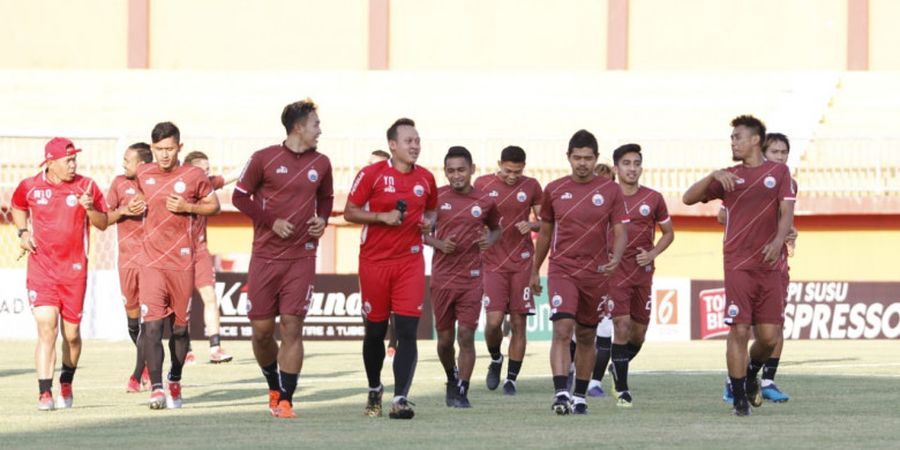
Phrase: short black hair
x=625 y=149
x=190 y=157
x=755 y=125
x=458 y=151
x=143 y=151
x=381 y=154
x=392 y=131
x=583 y=138
x=297 y=112
x=513 y=154
x=165 y=130
x=775 y=137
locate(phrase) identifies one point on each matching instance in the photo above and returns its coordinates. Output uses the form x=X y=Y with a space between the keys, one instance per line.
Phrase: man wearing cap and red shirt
x=58 y=204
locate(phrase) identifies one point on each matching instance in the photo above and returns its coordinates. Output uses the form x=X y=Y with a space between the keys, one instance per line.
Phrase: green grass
x=845 y=394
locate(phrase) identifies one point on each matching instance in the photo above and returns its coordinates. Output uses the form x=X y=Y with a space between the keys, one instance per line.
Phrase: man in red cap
x=58 y=204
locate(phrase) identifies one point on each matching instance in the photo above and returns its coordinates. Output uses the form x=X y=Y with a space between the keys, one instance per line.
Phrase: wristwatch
x=21 y=231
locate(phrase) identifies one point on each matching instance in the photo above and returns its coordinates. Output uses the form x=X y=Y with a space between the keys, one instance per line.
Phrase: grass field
x=845 y=394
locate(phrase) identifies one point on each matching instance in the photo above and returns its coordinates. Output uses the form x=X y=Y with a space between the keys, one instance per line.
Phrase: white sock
x=766 y=382
x=595 y=383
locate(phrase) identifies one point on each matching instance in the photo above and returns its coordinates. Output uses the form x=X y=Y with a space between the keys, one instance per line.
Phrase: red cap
x=58 y=148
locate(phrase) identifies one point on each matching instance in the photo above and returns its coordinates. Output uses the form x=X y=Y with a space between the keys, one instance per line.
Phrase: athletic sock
x=407 y=354
x=271 y=374
x=45 y=385
x=620 y=364
x=604 y=348
x=738 y=387
x=288 y=385
x=581 y=387
x=139 y=362
x=495 y=353
x=512 y=370
x=66 y=374
x=134 y=328
x=463 y=387
x=572 y=347
x=151 y=338
x=559 y=383
x=179 y=345
x=753 y=369
x=373 y=351
x=452 y=374
x=633 y=350
x=214 y=341
x=769 y=369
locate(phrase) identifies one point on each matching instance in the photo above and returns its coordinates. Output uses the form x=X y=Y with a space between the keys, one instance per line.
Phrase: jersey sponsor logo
x=130 y=191
x=281 y=170
x=312 y=175
x=556 y=301
x=185 y=251
x=494 y=194
x=356 y=182
x=566 y=196
x=739 y=181
x=418 y=190
x=644 y=210
x=43 y=196
x=474 y=273
x=151 y=181
x=476 y=211
x=521 y=197
x=179 y=187
x=446 y=207
x=769 y=182
x=597 y=200
x=389 y=184
x=71 y=200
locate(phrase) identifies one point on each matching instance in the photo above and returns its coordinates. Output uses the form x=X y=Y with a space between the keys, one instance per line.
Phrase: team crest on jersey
x=418 y=190
x=309 y=246
x=769 y=181
x=494 y=194
x=71 y=200
x=476 y=211
x=130 y=191
x=281 y=170
x=525 y=255
x=566 y=196
x=521 y=196
x=644 y=210
x=179 y=187
x=733 y=310
x=151 y=181
x=556 y=301
x=76 y=266
x=597 y=200
x=367 y=308
x=446 y=206
x=485 y=300
x=32 y=297
x=312 y=175
x=144 y=310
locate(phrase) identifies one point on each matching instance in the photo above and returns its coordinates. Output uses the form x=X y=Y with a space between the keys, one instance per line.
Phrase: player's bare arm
x=20 y=219
x=445 y=246
x=785 y=222
x=620 y=240
x=355 y=214
x=489 y=238
x=721 y=216
x=429 y=218
x=316 y=227
x=135 y=207
x=668 y=236
x=697 y=192
x=207 y=206
x=526 y=226
x=541 y=248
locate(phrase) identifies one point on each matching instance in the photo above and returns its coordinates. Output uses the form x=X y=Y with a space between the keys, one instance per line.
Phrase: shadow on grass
x=14 y=372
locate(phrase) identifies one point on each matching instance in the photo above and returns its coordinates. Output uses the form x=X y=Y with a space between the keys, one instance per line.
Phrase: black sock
x=45 y=385
x=512 y=370
x=463 y=387
x=572 y=347
x=738 y=387
x=373 y=351
x=271 y=374
x=178 y=347
x=214 y=341
x=494 y=351
x=288 y=385
x=139 y=362
x=604 y=346
x=134 y=327
x=580 y=387
x=407 y=354
x=753 y=368
x=770 y=368
x=633 y=350
x=559 y=383
x=620 y=364
x=151 y=337
x=66 y=374
x=452 y=374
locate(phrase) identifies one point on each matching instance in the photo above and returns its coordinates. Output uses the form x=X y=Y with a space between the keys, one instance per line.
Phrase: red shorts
x=280 y=287
x=128 y=284
x=397 y=288
x=508 y=292
x=166 y=292
x=204 y=273
x=754 y=297
x=456 y=305
x=68 y=297
x=631 y=301
x=579 y=299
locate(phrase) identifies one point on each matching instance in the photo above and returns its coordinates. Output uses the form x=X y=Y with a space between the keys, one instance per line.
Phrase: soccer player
x=395 y=201
x=126 y=209
x=378 y=156
x=576 y=212
x=175 y=195
x=60 y=205
x=507 y=265
x=204 y=273
x=758 y=197
x=467 y=225
x=287 y=190
x=777 y=149
x=630 y=285
x=603 y=342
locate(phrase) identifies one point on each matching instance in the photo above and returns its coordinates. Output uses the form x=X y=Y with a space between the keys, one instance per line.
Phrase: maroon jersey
x=168 y=237
x=379 y=188
x=464 y=217
x=751 y=212
x=645 y=208
x=286 y=185
x=60 y=227
x=129 y=231
x=199 y=232
x=513 y=252
x=581 y=213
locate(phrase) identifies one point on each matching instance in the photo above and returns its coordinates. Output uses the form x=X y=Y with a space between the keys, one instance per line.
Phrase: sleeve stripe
x=667 y=219
x=239 y=188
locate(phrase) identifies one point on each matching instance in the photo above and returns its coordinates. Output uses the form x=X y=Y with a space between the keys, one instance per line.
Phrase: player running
x=575 y=215
x=59 y=205
x=467 y=225
x=507 y=265
x=758 y=197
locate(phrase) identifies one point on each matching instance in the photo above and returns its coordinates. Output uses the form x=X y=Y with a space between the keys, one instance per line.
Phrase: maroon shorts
x=204 y=273
x=280 y=287
x=786 y=282
x=397 y=288
x=456 y=305
x=128 y=284
x=579 y=299
x=754 y=297
x=508 y=292
x=631 y=301
x=68 y=297
x=166 y=292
